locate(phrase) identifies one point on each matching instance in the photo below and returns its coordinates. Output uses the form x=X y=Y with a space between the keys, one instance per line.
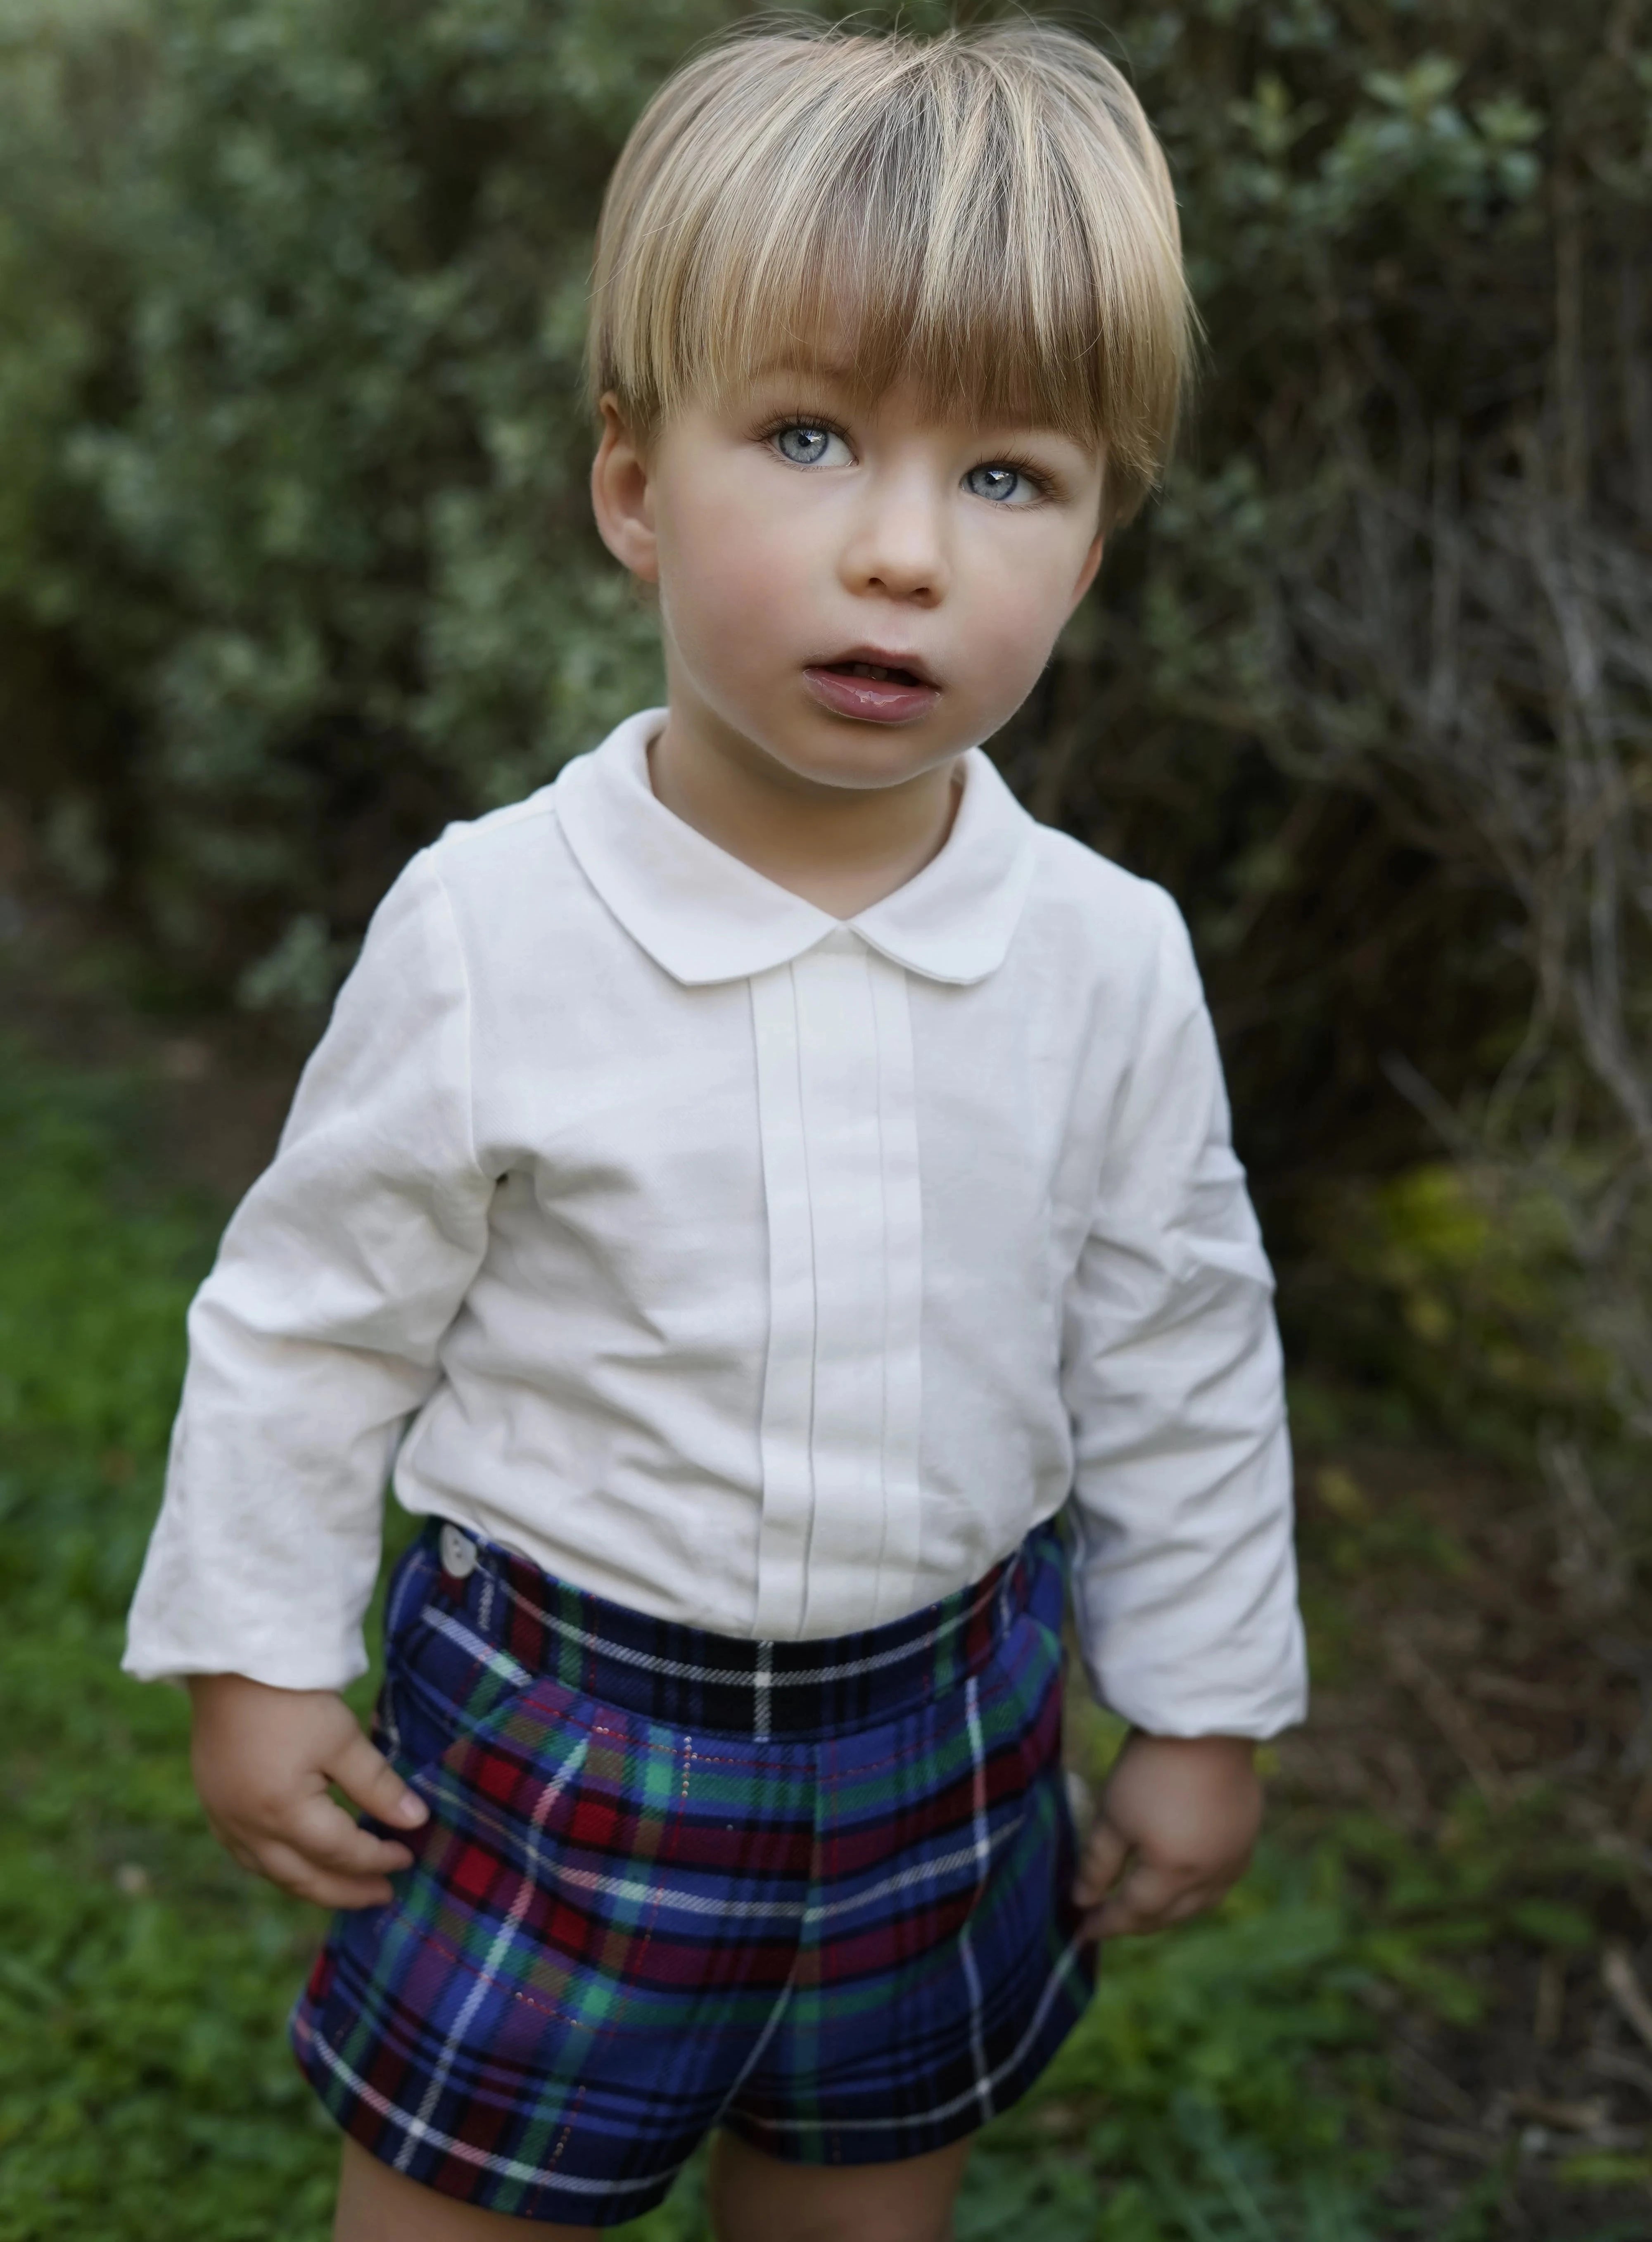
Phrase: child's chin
x=831 y=750
x=873 y=758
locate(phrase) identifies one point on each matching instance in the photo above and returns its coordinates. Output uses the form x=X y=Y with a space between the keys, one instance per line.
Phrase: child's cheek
x=1001 y=639
x=736 y=597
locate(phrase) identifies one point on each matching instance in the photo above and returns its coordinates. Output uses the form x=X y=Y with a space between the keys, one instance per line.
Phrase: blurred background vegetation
x=295 y=565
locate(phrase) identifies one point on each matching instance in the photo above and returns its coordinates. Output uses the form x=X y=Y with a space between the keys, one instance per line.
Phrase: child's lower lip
x=873 y=699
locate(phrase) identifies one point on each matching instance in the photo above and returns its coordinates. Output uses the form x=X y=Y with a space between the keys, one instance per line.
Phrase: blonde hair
x=986 y=214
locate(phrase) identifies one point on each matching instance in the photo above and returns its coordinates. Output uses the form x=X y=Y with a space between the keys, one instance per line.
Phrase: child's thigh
x=759 y=2198
x=377 y=2204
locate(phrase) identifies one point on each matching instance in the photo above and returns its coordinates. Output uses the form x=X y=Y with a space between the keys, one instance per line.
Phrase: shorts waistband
x=666 y=1670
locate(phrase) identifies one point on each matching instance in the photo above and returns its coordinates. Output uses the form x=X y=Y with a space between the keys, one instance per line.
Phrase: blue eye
x=803 y=445
x=999 y=483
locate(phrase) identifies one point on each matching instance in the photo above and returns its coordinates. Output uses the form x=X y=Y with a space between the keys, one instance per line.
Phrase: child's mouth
x=871 y=692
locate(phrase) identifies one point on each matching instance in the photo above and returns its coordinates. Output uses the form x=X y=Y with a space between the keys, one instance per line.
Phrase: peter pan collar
x=706 y=916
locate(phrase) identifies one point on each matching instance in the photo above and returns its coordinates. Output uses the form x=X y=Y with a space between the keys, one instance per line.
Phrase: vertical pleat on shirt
x=841 y=1388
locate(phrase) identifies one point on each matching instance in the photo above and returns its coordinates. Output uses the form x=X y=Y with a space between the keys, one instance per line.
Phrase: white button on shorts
x=457 y=1553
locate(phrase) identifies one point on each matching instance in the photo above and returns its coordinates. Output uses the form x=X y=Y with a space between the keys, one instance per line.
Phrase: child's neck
x=841 y=848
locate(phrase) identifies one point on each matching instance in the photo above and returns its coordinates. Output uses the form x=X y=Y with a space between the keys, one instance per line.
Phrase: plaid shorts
x=816 y=1892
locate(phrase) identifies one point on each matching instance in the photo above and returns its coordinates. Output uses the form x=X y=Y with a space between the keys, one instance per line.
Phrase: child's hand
x=1174 y=1829
x=262 y=1759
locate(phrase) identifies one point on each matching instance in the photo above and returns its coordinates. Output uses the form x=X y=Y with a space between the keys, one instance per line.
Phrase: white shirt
x=747 y=1267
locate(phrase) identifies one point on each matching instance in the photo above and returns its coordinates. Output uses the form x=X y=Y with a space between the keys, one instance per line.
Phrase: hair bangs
x=986 y=217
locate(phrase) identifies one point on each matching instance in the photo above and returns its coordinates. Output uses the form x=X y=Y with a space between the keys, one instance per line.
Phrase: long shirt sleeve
x=1183 y=1576
x=318 y=1332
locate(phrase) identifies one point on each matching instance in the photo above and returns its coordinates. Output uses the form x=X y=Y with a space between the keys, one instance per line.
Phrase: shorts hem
x=826 y=2143
x=536 y=2202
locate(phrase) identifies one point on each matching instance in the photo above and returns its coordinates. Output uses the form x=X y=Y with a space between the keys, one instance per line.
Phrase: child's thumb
x=1105 y=1855
x=368 y=1779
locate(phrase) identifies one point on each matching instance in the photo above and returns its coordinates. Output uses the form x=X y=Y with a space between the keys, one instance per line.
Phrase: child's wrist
x=1241 y=1750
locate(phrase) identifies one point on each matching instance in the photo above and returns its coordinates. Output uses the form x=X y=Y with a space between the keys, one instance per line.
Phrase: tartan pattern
x=693 y=1680
x=838 y=1925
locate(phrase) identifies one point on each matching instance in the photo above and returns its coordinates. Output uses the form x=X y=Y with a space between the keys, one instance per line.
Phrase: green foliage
x=328 y=435
x=141 y=1975
x=1462 y=1288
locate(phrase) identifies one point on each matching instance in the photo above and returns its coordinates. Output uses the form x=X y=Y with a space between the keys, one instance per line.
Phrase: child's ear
x=621 y=497
x=1087 y=572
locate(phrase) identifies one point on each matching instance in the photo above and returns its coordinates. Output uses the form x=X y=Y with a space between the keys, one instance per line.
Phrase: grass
x=1227 y=2084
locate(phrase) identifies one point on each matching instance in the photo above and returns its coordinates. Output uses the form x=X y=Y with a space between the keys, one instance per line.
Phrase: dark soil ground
x=1471 y=1666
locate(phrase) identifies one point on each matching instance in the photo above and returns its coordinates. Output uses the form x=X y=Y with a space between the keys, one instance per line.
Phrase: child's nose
x=898 y=548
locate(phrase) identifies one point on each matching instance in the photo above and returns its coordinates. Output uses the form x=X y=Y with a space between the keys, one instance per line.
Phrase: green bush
x=312 y=522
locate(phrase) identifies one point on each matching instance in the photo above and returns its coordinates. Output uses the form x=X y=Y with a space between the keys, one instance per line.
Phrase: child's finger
x=1105 y=1851
x=289 y=1868
x=328 y=1838
x=366 y=1776
x=1141 y=1901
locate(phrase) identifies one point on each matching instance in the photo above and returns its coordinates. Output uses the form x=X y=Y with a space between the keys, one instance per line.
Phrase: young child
x=746 y=1192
